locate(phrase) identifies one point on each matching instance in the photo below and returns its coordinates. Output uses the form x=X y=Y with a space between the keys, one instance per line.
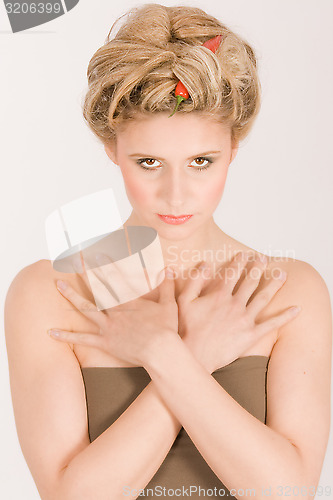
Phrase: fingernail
x=169 y=272
x=208 y=272
x=295 y=309
x=54 y=333
x=203 y=265
x=62 y=285
x=281 y=275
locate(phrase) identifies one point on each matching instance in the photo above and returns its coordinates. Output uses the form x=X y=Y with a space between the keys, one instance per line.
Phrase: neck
x=208 y=243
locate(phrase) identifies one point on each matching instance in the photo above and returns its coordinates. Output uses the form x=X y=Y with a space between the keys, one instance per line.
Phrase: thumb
x=167 y=287
x=194 y=284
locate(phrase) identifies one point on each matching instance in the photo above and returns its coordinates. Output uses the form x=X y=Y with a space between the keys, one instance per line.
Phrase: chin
x=174 y=233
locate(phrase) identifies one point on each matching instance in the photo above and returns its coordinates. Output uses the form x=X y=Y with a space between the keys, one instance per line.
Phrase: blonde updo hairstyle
x=134 y=74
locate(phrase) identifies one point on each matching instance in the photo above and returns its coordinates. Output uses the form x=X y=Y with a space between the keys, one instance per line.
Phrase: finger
x=80 y=268
x=233 y=272
x=263 y=297
x=88 y=339
x=98 y=281
x=103 y=273
x=226 y=277
x=251 y=281
x=110 y=274
x=277 y=321
x=194 y=284
x=86 y=307
x=167 y=287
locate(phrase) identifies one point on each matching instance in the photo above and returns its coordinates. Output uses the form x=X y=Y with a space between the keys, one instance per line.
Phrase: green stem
x=179 y=100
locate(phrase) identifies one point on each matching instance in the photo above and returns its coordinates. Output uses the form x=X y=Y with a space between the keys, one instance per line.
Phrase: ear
x=234 y=150
x=110 y=151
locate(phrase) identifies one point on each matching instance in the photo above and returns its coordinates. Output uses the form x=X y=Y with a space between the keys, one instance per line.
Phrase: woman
x=168 y=391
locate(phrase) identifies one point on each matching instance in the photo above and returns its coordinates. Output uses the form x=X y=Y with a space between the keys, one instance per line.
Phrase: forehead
x=187 y=128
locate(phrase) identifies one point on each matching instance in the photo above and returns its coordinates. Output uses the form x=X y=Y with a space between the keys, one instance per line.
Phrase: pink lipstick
x=173 y=219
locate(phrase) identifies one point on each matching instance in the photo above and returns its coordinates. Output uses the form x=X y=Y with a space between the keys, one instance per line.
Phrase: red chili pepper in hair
x=181 y=92
x=213 y=43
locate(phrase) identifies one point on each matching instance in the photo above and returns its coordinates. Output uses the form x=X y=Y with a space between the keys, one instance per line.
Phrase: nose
x=175 y=189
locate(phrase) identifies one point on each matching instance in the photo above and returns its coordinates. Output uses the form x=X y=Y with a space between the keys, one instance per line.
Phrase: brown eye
x=149 y=162
x=199 y=162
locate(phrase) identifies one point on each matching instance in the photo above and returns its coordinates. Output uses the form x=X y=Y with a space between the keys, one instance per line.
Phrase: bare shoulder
x=300 y=273
x=36 y=275
x=36 y=283
x=34 y=280
x=304 y=287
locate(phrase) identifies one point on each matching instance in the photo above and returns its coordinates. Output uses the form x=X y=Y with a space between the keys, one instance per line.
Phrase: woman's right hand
x=128 y=331
x=218 y=326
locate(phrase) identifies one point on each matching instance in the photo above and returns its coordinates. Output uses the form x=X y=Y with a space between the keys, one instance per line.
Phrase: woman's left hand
x=218 y=322
x=131 y=330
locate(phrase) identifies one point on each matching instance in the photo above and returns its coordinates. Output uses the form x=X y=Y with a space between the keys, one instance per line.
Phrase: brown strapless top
x=110 y=390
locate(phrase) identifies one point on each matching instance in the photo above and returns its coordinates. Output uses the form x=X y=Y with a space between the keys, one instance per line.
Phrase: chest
x=92 y=357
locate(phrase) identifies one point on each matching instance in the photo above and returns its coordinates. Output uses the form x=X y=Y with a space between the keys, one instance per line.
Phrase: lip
x=175 y=219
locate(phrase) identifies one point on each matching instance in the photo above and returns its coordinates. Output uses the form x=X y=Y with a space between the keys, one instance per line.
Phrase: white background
x=278 y=195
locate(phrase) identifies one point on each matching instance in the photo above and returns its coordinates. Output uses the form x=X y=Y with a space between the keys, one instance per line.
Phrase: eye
x=150 y=166
x=203 y=167
x=150 y=163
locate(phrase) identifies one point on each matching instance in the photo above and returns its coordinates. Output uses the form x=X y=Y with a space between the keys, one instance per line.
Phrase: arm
x=242 y=451
x=126 y=455
x=50 y=407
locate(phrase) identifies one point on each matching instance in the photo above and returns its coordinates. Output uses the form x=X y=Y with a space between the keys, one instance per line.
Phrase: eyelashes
x=199 y=168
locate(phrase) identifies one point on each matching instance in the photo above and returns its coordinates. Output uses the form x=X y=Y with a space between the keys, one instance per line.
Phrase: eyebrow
x=160 y=158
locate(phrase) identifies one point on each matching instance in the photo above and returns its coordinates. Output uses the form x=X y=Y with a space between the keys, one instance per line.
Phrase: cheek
x=214 y=190
x=137 y=190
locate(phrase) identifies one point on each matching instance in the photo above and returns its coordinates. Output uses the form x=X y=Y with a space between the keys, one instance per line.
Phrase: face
x=173 y=166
